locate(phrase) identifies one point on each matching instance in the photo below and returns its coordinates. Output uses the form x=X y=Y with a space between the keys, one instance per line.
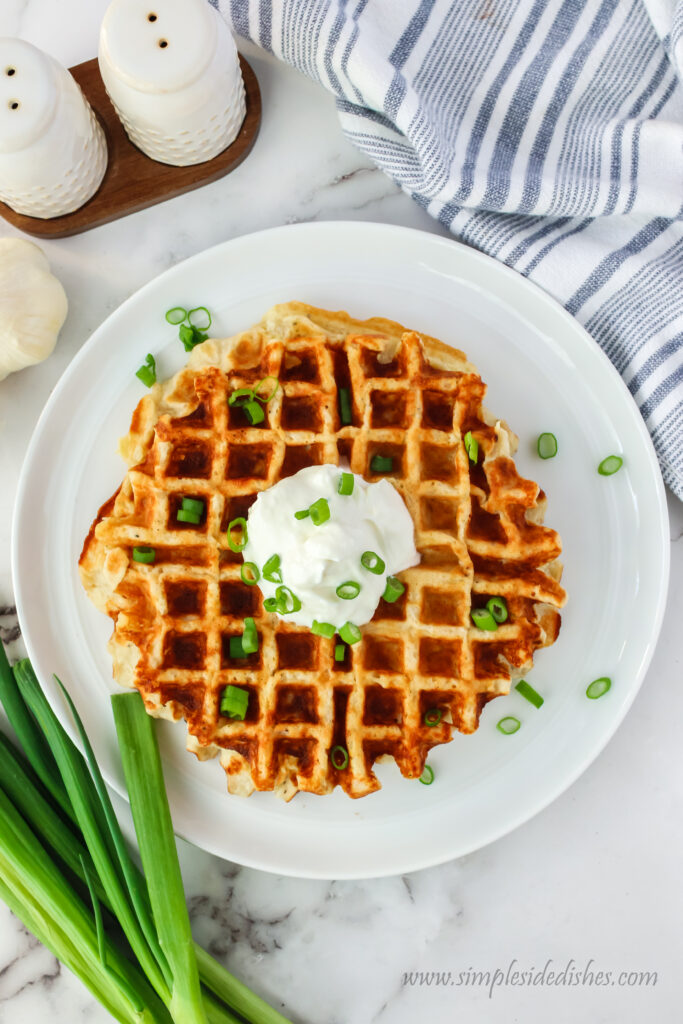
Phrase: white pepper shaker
x=53 y=152
x=172 y=71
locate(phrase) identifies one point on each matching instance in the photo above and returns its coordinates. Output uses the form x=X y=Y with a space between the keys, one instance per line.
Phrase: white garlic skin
x=33 y=305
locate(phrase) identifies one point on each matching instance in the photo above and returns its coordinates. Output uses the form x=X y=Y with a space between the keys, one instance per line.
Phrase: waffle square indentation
x=184 y=650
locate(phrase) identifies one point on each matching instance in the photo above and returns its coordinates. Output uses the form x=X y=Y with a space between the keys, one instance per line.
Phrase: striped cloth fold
x=547 y=133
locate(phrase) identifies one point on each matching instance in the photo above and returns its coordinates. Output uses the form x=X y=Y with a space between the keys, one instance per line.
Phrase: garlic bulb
x=33 y=305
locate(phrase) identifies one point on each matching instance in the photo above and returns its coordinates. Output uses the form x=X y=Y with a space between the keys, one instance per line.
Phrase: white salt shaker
x=53 y=153
x=172 y=71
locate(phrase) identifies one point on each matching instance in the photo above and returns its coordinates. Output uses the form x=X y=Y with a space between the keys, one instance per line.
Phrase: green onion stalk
x=66 y=872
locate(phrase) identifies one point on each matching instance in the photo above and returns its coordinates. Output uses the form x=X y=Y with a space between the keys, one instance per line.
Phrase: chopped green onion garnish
x=371 y=561
x=432 y=717
x=199 y=317
x=193 y=505
x=234 y=701
x=345 y=414
x=176 y=315
x=190 y=337
x=240 y=396
x=144 y=554
x=339 y=652
x=508 y=725
x=249 y=637
x=236 y=649
x=498 y=608
x=287 y=601
x=427 y=776
x=249 y=573
x=320 y=511
x=529 y=693
x=598 y=687
x=381 y=463
x=393 y=590
x=350 y=633
x=254 y=413
x=270 y=604
x=272 y=571
x=270 y=392
x=471 y=446
x=547 y=446
x=610 y=465
x=184 y=516
x=348 y=590
x=303 y=514
x=346 y=482
x=339 y=756
x=148 y=372
x=483 y=619
x=323 y=629
x=238 y=524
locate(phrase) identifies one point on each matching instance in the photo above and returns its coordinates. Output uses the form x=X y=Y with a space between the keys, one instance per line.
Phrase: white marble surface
x=594 y=879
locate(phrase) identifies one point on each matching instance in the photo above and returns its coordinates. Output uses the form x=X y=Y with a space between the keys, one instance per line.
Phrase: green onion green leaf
x=339 y=756
x=483 y=619
x=508 y=725
x=266 y=389
x=547 y=446
x=302 y=514
x=348 y=590
x=498 y=608
x=272 y=571
x=382 y=464
x=610 y=465
x=176 y=315
x=427 y=776
x=236 y=648
x=240 y=396
x=393 y=589
x=323 y=629
x=183 y=516
x=148 y=371
x=234 y=702
x=371 y=561
x=345 y=413
x=350 y=633
x=346 y=482
x=254 y=413
x=320 y=511
x=249 y=573
x=287 y=601
x=599 y=687
x=249 y=636
x=200 y=318
x=529 y=693
x=432 y=717
x=239 y=524
x=144 y=554
x=193 y=505
x=471 y=446
x=339 y=652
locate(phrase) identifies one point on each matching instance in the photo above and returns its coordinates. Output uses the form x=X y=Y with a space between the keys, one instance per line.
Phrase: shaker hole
x=13 y=105
x=151 y=17
x=10 y=71
x=163 y=43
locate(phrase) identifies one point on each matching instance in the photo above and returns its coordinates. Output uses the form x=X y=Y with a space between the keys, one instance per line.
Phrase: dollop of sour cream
x=315 y=560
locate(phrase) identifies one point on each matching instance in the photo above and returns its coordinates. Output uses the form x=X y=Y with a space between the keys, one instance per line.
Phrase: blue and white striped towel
x=547 y=133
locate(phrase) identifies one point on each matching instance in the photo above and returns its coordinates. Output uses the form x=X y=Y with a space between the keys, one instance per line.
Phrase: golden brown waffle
x=477 y=528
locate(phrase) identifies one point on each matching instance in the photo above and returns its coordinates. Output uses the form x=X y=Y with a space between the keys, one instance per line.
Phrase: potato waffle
x=478 y=529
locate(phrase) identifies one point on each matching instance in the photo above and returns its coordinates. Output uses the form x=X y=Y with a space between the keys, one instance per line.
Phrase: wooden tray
x=132 y=180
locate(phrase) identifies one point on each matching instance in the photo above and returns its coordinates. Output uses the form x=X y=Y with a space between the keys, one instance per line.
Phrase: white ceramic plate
x=544 y=374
